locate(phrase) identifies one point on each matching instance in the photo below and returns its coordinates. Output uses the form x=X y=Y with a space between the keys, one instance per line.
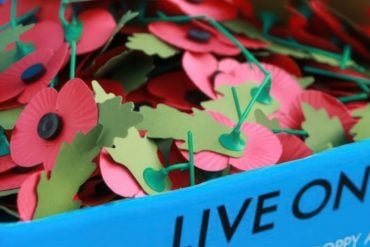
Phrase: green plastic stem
x=251 y=103
x=13 y=14
x=345 y=57
x=291 y=132
x=236 y=102
x=354 y=98
x=361 y=82
x=180 y=166
x=191 y=159
x=20 y=19
x=72 y=68
x=62 y=9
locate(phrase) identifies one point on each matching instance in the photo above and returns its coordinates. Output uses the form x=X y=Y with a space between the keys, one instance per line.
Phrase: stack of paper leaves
x=109 y=100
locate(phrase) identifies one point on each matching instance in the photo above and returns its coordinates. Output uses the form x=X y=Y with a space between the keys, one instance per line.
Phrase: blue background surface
x=150 y=221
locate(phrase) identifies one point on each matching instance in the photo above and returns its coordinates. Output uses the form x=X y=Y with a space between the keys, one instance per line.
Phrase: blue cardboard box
x=320 y=201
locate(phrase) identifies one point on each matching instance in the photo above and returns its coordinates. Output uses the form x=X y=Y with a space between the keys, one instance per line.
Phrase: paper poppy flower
x=218 y=10
x=32 y=73
x=118 y=178
x=200 y=68
x=44 y=35
x=284 y=62
x=174 y=89
x=98 y=26
x=284 y=88
x=6 y=163
x=263 y=148
x=27 y=197
x=50 y=119
x=321 y=10
x=193 y=36
x=14 y=177
x=293 y=117
x=293 y=148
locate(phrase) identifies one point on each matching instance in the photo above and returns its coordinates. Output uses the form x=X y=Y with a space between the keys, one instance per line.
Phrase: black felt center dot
x=33 y=73
x=50 y=126
x=199 y=35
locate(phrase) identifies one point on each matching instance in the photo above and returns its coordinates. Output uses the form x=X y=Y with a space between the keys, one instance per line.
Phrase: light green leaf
x=100 y=95
x=361 y=129
x=150 y=45
x=167 y=122
x=72 y=168
x=225 y=104
x=116 y=119
x=305 y=82
x=10 y=35
x=136 y=154
x=130 y=68
x=323 y=132
x=262 y=119
x=8 y=118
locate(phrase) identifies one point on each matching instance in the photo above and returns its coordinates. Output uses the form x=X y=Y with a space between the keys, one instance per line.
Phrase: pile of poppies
x=104 y=100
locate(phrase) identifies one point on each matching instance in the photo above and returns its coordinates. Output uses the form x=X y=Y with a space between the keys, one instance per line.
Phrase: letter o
x=296 y=204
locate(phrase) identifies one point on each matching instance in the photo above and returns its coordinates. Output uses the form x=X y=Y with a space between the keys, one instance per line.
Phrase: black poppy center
x=33 y=73
x=199 y=35
x=194 y=1
x=50 y=126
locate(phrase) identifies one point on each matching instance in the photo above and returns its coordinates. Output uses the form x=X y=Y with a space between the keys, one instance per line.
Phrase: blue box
x=320 y=201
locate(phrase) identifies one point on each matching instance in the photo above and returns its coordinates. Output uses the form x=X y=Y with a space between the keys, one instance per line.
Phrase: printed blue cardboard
x=320 y=201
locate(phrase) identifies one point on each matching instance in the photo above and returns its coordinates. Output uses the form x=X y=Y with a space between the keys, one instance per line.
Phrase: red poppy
x=219 y=10
x=98 y=26
x=201 y=67
x=293 y=116
x=193 y=36
x=94 y=192
x=14 y=177
x=173 y=88
x=44 y=35
x=50 y=119
x=293 y=148
x=27 y=197
x=321 y=10
x=284 y=62
x=118 y=178
x=32 y=73
x=263 y=148
x=284 y=88
x=6 y=163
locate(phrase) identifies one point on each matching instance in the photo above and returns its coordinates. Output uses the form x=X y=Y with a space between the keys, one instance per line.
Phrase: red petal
x=26 y=147
x=293 y=148
x=27 y=197
x=76 y=105
x=98 y=26
x=200 y=67
x=118 y=178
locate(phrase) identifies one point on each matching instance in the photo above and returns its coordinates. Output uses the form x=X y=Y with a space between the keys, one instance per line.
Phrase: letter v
x=229 y=229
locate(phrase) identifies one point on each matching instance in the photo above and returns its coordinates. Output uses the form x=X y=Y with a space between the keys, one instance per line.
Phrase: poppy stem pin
x=156 y=178
x=72 y=32
x=4 y=144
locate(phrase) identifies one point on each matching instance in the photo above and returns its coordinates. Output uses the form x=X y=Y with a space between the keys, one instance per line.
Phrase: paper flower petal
x=293 y=148
x=200 y=67
x=45 y=35
x=218 y=10
x=77 y=107
x=6 y=163
x=26 y=147
x=177 y=35
x=13 y=178
x=284 y=87
x=294 y=117
x=263 y=148
x=98 y=26
x=172 y=87
x=118 y=178
x=27 y=197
